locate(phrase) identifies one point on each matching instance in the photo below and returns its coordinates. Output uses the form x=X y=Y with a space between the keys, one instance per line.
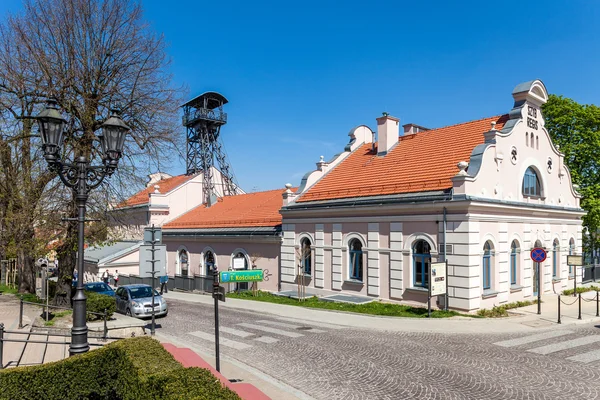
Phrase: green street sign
x=255 y=275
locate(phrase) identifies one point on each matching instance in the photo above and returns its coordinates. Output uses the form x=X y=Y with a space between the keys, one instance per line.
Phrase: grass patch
x=583 y=289
x=54 y=317
x=373 y=308
x=502 y=311
x=7 y=290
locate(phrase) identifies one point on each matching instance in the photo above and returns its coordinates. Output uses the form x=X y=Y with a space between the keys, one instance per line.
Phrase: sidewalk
x=521 y=320
x=9 y=316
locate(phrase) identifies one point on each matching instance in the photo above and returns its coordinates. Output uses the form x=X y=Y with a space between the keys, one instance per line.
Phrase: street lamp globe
x=112 y=139
x=51 y=125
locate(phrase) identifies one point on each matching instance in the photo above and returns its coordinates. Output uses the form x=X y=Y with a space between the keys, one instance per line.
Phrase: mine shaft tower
x=203 y=117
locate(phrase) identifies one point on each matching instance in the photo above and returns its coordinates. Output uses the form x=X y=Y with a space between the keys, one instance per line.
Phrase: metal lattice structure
x=203 y=117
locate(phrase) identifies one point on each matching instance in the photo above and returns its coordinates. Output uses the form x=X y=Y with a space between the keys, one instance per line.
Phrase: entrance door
x=536 y=278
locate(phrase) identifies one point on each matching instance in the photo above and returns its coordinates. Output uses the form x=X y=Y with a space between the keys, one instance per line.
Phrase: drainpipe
x=444 y=236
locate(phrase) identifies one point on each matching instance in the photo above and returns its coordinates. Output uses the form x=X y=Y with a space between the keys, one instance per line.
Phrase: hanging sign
x=438 y=278
x=239 y=263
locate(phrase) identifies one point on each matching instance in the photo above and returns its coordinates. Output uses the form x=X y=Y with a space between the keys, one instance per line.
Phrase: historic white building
x=481 y=193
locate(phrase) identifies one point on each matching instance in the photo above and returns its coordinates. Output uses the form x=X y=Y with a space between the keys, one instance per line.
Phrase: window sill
x=515 y=288
x=488 y=294
x=571 y=277
x=418 y=289
x=556 y=280
x=354 y=282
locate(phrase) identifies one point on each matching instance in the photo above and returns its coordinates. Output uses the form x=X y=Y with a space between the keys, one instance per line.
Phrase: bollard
x=105 y=327
x=559 y=309
x=1 y=344
x=579 y=306
x=21 y=313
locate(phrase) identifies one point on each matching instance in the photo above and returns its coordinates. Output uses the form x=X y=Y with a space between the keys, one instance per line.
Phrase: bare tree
x=93 y=56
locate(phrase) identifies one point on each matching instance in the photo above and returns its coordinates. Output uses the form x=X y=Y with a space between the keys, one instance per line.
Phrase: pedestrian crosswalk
x=244 y=335
x=554 y=342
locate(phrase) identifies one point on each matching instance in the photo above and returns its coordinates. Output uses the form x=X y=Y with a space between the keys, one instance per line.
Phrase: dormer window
x=531 y=184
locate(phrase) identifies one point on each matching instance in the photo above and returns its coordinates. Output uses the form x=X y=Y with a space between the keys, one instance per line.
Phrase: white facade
x=486 y=202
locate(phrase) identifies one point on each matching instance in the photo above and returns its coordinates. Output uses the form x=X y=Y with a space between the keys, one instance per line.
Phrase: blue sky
x=300 y=75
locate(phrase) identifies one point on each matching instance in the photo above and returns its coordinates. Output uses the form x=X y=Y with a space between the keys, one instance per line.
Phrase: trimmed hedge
x=97 y=303
x=129 y=369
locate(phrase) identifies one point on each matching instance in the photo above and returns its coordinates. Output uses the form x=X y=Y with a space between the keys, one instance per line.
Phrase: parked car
x=99 y=287
x=136 y=301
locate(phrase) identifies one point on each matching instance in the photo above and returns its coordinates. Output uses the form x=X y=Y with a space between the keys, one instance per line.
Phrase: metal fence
x=179 y=282
x=591 y=273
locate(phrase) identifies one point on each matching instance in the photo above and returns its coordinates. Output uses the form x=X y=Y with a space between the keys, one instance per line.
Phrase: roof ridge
x=456 y=125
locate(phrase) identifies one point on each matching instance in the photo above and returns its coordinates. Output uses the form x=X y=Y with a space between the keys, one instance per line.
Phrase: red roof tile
x=242 y=210
x=424 y=161
x=164 y=186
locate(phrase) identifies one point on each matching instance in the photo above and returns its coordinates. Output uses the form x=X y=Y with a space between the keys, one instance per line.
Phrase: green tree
x=575 y=129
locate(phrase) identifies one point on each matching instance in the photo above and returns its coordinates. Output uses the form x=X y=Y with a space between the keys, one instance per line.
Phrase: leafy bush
x=97 y=303
x=129 y=369
x=581 y=289
x=501 y=311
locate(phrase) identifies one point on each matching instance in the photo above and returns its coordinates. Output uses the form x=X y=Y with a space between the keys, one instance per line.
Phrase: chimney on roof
x=388 y=128
x=409 y=129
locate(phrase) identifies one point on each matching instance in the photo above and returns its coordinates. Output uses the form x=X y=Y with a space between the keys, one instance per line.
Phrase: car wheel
x=128 y=312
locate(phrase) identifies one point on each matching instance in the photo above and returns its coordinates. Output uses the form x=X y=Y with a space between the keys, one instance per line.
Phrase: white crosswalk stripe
x=225 y=342
x=588 y=357
x=266 y=339
x=271 y=330
x=569 y=344
x=532 y=338
x=311 y=323
x=290 y=326
x=236 y=332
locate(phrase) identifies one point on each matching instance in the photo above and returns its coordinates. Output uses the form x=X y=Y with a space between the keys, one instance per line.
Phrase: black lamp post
x=81 y=177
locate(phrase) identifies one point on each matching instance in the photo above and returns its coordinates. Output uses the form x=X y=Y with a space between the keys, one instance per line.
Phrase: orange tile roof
x=424 y=161
x=242 y=210
x=165 y=186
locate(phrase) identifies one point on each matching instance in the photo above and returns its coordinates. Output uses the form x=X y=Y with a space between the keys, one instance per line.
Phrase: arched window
x=356 y=259
x=514 y=258
x=531 y=183
x=209 y=262
x=487 y=265
x=571 y=252
x=526 y=139
x=555 y=256
x=183 y=262
x=305 y=256
x=421 y=261
x=537 y=142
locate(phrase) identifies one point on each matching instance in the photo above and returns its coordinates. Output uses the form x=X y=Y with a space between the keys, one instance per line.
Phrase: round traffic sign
x=538 y=254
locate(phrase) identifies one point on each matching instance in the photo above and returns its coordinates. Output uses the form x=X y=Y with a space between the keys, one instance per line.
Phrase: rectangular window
x=356 y=265
x=486 y=273
x=513 y=268
x=421 y=269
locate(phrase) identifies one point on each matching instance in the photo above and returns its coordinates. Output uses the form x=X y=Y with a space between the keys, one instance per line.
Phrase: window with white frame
x=356 y=260
x=421 y=261
x=305 y=256
x=531 y=183
x=514 y=262
x=209 y=262
x=488 y=254
x=183 y=262
x=555 y=258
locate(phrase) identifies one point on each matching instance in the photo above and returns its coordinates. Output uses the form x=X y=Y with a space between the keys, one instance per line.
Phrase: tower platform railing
x=215 y=115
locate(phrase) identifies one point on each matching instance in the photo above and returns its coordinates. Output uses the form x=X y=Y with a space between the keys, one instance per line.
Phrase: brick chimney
x=388 y=129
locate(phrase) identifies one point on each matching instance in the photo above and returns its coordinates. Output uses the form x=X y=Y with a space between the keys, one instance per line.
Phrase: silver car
x=136 y=301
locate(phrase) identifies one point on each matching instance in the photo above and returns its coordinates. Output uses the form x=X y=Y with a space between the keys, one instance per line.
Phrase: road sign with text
x=255 y=275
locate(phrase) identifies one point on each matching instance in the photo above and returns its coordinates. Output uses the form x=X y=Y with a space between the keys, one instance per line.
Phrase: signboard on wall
x=239 y=263
x=575 y=260
x=438 y=276
x=160 y=256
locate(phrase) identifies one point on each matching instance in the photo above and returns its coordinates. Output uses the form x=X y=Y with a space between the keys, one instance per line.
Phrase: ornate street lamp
x=81 y=177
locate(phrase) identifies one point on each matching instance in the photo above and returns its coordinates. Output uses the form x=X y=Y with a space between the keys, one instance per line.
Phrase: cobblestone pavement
x=329 y=362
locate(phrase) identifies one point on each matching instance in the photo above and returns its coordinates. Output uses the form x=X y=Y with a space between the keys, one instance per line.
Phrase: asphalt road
x=329 y=362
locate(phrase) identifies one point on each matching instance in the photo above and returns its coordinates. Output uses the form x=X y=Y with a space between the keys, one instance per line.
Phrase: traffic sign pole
x=538 y=255
x=216 y=297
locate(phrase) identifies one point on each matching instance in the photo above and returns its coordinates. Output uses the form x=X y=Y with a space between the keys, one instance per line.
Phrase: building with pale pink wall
x=480 y=194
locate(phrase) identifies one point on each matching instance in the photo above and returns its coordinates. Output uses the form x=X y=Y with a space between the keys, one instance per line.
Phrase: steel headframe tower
x=203 y=117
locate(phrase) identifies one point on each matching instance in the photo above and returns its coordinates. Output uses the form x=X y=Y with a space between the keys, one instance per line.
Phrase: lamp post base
x=79 y=332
